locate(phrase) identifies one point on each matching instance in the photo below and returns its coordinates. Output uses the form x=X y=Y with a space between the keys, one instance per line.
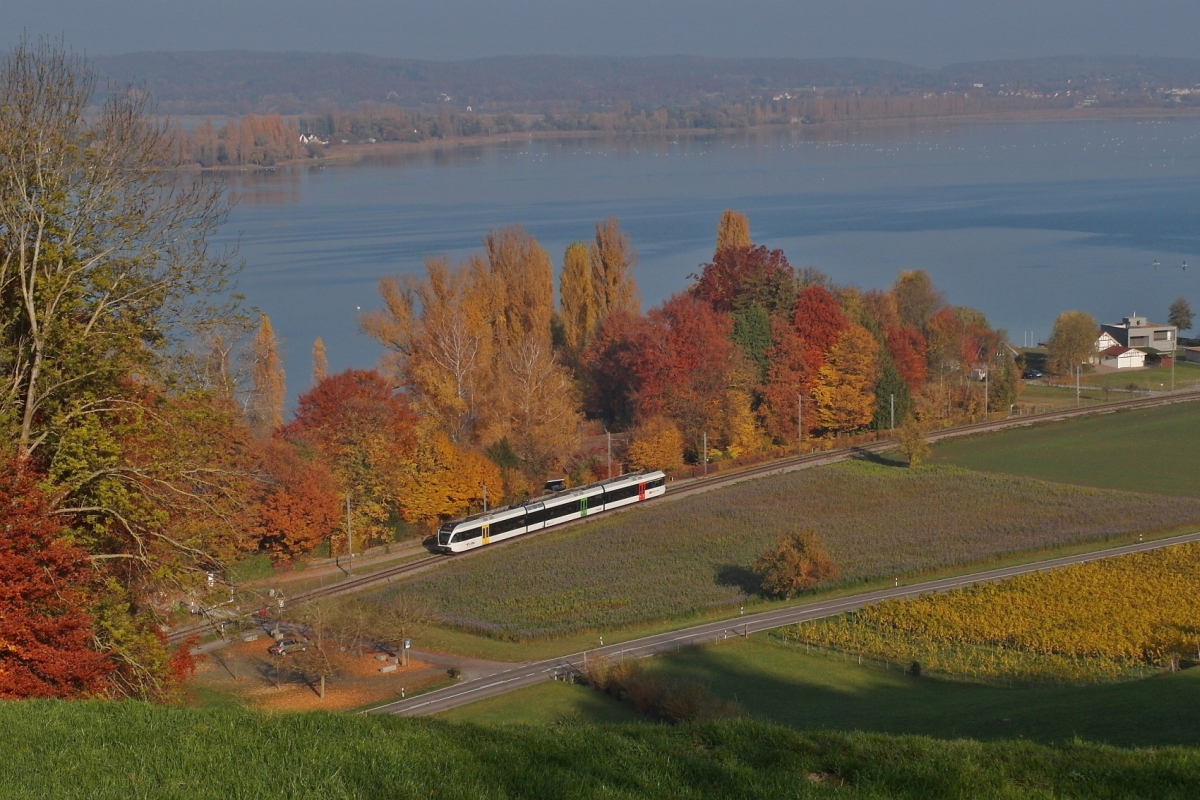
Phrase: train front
x=443 y=537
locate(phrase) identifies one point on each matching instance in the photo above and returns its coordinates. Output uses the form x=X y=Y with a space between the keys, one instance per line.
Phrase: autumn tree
x=297 y=503
x=790 y=376
x=396 y=617
x=752 y=335
x=680 y=363
x=1180 y=314
x=537 y=406
x=269 y=383
x=46 y=632
x=324 y=655
x=818 y=320
x=917 y=299
x=906 y=346
x=440 y=480
x=364 y=431
x=613 y=259
x=104 y=269
x=844 y=394
x=440 y=341
x=745 y=277
x=733 y=231
x=657 y=444
x=798 y=562
x=914 y=444
x=518 y=276
x=320 y=364
x=1072 y=342
x=610 y=382
x=577 y=299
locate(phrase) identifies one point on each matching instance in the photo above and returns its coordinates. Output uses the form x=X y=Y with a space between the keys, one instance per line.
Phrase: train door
x=487 y=533
x=641 y=491
x=583 y=507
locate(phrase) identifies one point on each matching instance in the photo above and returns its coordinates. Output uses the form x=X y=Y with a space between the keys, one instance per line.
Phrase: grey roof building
x=1139 y=332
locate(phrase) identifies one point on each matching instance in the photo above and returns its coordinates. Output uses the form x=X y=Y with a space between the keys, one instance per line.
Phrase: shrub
x=796 y=563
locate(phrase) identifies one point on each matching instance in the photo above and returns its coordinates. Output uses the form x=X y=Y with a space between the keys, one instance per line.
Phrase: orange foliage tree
x=907 y=348
x=46 y=634
x=298 y=505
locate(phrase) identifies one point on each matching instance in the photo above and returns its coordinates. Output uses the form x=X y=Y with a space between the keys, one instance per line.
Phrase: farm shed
x=1122 y=358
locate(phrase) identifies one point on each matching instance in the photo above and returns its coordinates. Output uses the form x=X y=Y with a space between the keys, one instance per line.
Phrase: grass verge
x=128 y=750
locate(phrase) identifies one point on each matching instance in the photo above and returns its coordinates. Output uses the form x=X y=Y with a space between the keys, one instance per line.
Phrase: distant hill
x=239 y=82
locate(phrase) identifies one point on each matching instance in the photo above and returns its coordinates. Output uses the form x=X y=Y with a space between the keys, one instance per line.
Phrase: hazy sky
x=926 y=32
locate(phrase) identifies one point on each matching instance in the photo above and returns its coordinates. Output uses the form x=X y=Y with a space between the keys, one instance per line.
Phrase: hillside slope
x=97 y=750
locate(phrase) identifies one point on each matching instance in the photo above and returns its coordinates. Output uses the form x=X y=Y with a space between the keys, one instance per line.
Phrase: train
x=549 y=510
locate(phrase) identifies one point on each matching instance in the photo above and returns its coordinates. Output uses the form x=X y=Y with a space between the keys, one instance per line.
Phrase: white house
x=1119 y=357
x=1104 y=340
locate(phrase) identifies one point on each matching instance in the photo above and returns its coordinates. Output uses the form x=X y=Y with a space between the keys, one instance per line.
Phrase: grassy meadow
x=778 y=681
x=671 y=560
x=129 y=750
x=1142 y=450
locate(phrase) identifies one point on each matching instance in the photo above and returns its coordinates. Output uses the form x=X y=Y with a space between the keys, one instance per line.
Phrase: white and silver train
x=544 y=512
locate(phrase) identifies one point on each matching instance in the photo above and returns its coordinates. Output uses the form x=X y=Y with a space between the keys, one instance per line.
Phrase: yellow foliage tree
x=740 y=433
x=269 y=383
x=441 y=481
x=320 y=365
x=733 y=231
x=577 y=296
x=845 y=390
x=656 y=445
x=796 y=563
x=613 y=259
x=536 y=406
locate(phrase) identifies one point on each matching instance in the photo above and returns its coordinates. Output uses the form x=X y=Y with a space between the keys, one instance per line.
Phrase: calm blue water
x=1021 y=220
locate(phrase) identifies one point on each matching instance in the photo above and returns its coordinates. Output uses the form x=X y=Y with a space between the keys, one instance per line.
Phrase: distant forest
x=268 y=100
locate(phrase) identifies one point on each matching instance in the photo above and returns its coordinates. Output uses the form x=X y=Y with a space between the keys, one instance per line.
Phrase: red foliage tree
x=298 y=505
x=364 y=431
x=907 y=348
x=818 y=319
x=792 y=369
x=45 y=631
x=344 y=407
x=679 y=361
x=610 y=384
x=740 y=277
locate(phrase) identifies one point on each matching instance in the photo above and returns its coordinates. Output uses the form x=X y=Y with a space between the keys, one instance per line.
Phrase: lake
x=1019 y=219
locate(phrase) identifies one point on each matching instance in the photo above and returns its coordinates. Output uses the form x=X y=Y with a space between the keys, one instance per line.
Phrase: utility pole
x=608 y=436
x=893 y=403
x=704 y=445
x=349 y=536
x=800 y=421
x=485 y=498
x=1078 y=369
x=986 y=372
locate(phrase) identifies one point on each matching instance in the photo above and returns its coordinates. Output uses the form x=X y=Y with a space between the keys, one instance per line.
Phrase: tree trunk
x=322 y=687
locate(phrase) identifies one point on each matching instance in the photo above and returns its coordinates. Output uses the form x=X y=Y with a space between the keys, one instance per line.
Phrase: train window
x=468 y=534
x=508 y=525
x=621 y=493
x=657 y=483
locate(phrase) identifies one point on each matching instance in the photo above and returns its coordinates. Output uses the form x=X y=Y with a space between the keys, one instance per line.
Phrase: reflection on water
x=1020 y=219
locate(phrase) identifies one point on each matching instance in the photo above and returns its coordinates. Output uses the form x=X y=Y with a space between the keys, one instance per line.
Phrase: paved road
x=521 y=675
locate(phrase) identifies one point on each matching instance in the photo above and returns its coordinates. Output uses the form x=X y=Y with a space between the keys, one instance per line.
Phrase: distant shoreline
x=350 y=153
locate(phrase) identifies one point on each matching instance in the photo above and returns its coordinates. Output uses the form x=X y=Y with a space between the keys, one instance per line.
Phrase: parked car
x=285 y=646
x=1032 y=373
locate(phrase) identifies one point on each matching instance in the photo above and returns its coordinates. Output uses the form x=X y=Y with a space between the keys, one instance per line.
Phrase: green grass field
x=128 y=750
x=1155 y=379
x=663 y=562
x=782 y=683
x=1143 y=450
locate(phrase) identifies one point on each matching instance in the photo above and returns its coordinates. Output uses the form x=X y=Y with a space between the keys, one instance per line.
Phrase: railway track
x=686 y=488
